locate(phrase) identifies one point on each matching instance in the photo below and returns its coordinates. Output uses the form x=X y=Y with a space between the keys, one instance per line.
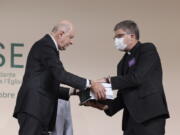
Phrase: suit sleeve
x=115 y=105
x=52 y=62
x=146 y=62
x=64 y=93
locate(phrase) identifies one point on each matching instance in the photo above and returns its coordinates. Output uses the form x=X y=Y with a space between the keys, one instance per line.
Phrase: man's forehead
x=120 y=31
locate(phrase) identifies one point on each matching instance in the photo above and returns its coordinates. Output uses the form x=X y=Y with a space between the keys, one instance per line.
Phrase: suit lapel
x=51 y=42
x=132 y=59
x=128 y=62
x=120 y=70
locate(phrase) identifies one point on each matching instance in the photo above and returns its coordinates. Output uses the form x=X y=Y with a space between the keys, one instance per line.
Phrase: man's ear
x=133 y=36
x=61 y=33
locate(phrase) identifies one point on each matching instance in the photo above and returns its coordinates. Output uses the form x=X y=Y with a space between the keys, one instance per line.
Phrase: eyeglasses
x=119 y=36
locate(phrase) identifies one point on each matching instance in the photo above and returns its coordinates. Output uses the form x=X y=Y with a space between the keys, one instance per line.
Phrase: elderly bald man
x=36 y=104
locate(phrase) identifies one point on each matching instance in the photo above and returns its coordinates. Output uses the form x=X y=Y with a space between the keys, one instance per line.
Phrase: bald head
x=63 y=26
x=63 y=33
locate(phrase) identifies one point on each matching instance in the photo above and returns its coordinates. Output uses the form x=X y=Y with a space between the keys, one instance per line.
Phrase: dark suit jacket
x=139 y=81
x=40 y=89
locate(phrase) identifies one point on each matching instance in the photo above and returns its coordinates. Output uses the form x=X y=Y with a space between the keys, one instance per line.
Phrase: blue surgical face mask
x=119 y=44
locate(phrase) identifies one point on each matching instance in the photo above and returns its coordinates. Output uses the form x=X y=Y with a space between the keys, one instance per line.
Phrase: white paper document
x=109 y=92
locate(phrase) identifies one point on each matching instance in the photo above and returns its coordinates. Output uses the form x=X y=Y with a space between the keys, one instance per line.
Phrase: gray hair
x=61 y=27
x=129 y=26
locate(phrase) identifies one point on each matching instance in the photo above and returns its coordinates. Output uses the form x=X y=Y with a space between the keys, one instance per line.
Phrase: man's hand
x=96 y=105
x=98 y=90
x=102 y=80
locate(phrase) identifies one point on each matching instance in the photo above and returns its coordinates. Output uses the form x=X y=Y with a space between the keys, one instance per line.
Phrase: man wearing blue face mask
x=139 y=83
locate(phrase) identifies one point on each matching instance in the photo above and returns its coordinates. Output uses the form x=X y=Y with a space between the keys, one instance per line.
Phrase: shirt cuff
x=71 y=91
x=88 y=84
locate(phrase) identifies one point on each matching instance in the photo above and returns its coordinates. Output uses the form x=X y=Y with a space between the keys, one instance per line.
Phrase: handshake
x=98 y=95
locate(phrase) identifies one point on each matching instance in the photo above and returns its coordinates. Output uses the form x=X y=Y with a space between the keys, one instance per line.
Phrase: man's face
x=120 y=33
x=65 y=39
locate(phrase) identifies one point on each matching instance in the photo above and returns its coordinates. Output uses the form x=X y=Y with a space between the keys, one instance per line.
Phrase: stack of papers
x=88 y=95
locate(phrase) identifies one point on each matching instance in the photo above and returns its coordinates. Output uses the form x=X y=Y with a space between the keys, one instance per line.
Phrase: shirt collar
x=54 y=42
x=134 y=48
